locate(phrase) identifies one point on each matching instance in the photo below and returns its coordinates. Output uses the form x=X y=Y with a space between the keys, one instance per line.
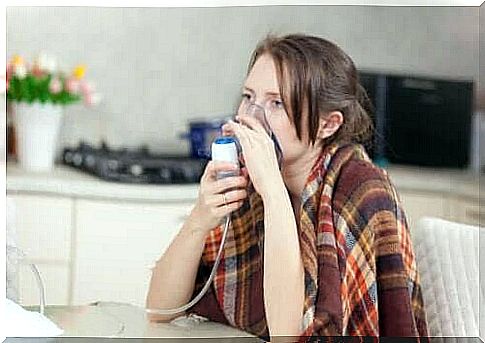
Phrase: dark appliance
x=420 y=120
x=133 y=166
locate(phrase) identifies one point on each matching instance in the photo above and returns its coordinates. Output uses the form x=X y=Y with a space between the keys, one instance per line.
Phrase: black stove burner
x=134 y=166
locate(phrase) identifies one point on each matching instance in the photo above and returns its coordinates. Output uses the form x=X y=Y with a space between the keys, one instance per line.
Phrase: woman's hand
x=259 y=153
x=217 y=198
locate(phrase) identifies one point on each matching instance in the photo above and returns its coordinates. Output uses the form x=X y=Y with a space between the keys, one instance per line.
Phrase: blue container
x=201 y=135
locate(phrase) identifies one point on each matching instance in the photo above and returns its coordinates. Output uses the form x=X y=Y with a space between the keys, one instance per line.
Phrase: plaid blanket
x=360 y=273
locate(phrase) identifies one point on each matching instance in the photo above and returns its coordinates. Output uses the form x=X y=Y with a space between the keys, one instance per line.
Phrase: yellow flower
x=17 y=60
x=79 y=71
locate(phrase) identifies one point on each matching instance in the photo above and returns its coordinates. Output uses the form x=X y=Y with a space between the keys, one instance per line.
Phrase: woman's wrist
x=275 y=191
x=194 y=225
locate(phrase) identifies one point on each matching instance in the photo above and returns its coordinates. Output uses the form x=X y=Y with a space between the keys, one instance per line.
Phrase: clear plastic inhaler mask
x=227 y=149
x=252 y=109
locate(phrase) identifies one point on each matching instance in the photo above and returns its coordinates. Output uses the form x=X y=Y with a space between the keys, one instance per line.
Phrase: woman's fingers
x=227 y=130
x=223 y=185
x=225 y=210
x=213 y=167
x=252 y=123
x=228 y=198
x=235 y=196
x=252 y=131
x=242 y=134
x=244 y=172
x=219 y=197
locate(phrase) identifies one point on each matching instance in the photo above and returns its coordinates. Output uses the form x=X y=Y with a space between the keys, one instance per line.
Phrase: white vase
x=37 y=128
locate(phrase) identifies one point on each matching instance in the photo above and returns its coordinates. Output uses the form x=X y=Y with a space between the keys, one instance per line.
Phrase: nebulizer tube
x=17 y=254
x=224 y=149
x=207 y=284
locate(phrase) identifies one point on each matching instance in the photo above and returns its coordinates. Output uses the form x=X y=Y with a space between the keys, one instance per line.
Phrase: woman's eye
x=277 y=103
x=246 y=96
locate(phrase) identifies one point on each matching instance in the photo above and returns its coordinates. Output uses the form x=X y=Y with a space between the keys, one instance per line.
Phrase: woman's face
x=262 y=87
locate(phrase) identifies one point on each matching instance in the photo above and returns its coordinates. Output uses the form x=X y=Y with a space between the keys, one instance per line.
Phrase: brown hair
x=316 y=71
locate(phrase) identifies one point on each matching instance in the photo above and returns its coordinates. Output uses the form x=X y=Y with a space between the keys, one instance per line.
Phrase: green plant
x=42 y=83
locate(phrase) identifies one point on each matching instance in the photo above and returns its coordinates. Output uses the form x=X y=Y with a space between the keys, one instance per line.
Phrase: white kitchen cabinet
x=43 y=229
x=95 y=240
x=56 y=283
x=117 y=243
x=43 y=226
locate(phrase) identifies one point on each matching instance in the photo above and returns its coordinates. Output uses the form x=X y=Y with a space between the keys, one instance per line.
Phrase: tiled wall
x=158 y=68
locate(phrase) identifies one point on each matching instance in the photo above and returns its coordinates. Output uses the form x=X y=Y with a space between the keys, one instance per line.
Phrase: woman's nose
x=247 y=108
x=255 y=110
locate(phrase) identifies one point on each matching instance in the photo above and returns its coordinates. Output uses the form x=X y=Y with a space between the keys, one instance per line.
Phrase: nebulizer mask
x=252 y=109
x=227 y=149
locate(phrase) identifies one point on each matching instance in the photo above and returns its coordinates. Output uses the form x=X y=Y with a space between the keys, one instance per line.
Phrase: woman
x=330 y=254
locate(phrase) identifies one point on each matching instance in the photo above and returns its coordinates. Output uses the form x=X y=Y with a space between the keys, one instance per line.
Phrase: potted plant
x=39 y=92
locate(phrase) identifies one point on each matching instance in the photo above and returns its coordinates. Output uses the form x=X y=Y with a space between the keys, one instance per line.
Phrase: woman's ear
x=329 y=124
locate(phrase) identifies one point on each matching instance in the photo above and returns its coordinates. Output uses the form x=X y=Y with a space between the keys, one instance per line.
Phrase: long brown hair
x=316 y=71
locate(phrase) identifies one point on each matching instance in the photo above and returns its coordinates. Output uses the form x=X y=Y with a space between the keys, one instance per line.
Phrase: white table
x=107 y=319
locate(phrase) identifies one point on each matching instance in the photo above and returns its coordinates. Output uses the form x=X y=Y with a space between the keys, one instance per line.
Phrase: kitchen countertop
x=458 y=182
x=67 y=181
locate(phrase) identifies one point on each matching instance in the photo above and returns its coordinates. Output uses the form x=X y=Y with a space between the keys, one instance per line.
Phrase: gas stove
x=133 y=165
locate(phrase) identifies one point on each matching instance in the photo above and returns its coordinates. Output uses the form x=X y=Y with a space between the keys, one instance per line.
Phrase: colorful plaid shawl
x=360 y=273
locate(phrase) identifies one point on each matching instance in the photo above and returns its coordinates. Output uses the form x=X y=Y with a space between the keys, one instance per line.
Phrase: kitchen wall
x=481 y=65
x=159 y=67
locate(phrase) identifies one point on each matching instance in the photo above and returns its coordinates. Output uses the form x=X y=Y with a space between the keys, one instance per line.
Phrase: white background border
x=162 y=3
